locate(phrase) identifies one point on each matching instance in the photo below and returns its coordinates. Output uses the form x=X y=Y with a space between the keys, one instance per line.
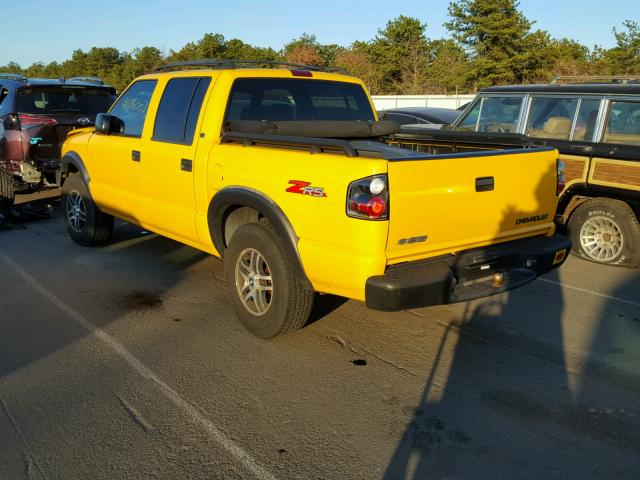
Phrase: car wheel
x=264 y=293
x=606 y=231
x=7 y=191
x=86 y=224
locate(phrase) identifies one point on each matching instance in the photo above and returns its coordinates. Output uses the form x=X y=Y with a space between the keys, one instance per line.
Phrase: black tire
x=606 y=231
x=7 y=191
x=288 y=306
x=92 y=227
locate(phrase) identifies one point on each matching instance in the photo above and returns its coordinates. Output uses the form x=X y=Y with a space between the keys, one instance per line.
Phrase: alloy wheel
x=254 y=282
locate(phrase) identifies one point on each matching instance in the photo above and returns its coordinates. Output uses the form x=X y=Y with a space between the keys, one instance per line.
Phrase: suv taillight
x=27 y=120
x=561 y=181
x=369 y=198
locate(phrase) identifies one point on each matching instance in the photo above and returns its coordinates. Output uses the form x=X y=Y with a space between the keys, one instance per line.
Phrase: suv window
x=132 y=106
x=55 y=99
x=295 y=99
x=493 y=114
x=551 y=117
x=179 y=109
x=587 y=118
x=623 y=123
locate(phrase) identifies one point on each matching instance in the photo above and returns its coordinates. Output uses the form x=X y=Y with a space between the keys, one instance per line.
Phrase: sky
x=37 y=30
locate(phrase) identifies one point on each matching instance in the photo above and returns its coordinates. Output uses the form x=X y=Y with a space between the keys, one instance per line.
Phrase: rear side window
x=132 y=107
x=48 y=100
x=275 y=99
x=551 y=117
x=179 y=109
x=623 y=123
x=586 y=121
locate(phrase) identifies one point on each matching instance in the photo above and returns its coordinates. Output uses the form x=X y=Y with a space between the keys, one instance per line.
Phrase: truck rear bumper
x=471 y=274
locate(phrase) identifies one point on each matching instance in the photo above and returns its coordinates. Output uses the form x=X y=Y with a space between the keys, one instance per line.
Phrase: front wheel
x=86 y=224
x=606 y=231
x=264 y=293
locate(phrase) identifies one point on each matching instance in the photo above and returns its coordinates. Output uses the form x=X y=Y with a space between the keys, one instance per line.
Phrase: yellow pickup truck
x=281 y=172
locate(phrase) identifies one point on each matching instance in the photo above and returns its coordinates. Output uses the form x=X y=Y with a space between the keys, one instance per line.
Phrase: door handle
x=484 y=184
x=135 y=155
x=186 y=165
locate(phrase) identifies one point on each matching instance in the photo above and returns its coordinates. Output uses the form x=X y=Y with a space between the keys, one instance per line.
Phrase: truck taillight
x=561 y=181
x=369 y=198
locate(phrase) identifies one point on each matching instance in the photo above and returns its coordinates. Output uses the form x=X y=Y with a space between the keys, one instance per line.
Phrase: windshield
x=294 y=99
x=63 y=99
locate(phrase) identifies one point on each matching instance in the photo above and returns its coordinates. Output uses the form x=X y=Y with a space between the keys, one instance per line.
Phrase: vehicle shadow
x=483 y=420
x=112 y=280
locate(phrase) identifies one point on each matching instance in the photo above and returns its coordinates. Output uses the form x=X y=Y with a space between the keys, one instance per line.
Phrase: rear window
x=296 y=99
x=63 y=99
x=403 y=119
x=623 y=123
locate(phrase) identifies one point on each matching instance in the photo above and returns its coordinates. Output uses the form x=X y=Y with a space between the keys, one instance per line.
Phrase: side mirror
x=107 y=124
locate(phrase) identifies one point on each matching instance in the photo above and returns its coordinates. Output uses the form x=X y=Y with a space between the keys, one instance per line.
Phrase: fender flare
x=72 y=158
x=229 y=198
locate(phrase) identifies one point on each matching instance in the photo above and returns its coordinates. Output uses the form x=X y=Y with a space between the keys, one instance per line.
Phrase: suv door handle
x=135 y=155
x=484 y=184
x=186 y=165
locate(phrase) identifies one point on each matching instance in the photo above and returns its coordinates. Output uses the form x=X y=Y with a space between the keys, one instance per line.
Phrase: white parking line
x=591 y=292
x=187 y=408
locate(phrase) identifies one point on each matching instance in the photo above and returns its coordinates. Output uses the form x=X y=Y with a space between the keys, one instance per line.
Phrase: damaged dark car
x=35 y=117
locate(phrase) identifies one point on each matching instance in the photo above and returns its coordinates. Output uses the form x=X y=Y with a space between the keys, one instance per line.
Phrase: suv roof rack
x=596 y=79
x=95 y=80
x=13 y=76
x=226 y=63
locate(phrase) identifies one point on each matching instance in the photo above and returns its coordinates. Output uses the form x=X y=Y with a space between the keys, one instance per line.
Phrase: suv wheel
x=606 y=231
x=85 y=223
x=7 y=192
x=264 y=293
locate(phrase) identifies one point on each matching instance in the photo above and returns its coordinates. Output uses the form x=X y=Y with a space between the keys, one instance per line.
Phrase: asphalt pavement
x=126 y=362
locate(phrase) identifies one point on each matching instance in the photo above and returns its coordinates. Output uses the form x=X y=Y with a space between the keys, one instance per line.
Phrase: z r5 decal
x=305 y=188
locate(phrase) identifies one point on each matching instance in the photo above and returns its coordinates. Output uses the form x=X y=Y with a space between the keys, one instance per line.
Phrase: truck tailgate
x=443 y=204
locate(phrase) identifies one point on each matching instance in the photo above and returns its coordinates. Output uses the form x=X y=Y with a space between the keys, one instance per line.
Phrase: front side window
x=179 y=109
x=132 y=107
x=286 y=99
x=493 y=114
x=623 y=123
x=470 y=120
x=551 y=117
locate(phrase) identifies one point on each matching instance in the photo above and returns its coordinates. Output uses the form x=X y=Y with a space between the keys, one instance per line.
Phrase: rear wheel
x=7 y=191
x=86 y=224
x=606 y=231
x=264 y=293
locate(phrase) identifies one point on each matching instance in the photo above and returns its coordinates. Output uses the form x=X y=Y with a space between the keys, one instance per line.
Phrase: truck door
x=169 y=166
x=116 y=168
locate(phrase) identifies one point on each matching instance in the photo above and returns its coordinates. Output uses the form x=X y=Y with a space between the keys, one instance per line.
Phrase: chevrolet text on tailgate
x=283 y=174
